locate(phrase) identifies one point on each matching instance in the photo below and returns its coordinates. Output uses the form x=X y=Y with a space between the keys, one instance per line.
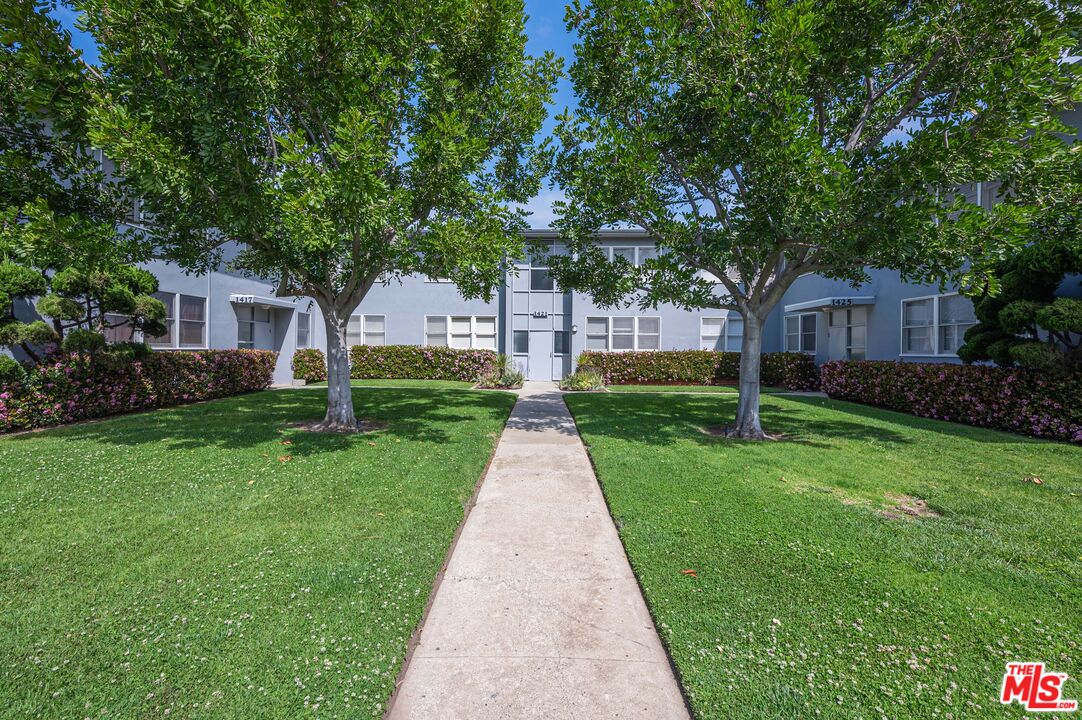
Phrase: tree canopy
x=340 y=144
x=760 y=141
x=59 y=212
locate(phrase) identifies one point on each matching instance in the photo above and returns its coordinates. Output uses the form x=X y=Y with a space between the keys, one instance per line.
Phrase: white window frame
x=170 y=320
x=250 y=309
x=364 y=331
x=934 y=327
x=495 y=335
x=726 y=335
x=635 y=332
x=307 y=327
x=638 y=251
x=800 y=332
x=722 y=335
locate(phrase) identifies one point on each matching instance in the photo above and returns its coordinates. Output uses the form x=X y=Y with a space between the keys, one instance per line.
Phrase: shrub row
x=421 y=363
x=1011 y=399
x=310 y=365
x=795 y=371
x=75 y=387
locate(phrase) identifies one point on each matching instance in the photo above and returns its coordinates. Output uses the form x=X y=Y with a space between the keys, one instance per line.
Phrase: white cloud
x=541 y=208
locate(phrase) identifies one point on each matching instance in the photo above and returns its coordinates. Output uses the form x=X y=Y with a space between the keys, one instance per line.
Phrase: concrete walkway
x=538 y=615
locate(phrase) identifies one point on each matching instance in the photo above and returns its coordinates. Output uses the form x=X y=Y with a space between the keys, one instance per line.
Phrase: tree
x=342 y=144
x=759 y=141
x=1022 y=321
x=59 y=212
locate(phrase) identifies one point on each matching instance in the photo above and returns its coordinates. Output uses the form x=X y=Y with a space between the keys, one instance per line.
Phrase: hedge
x=73 y=387
x=794 y=371
x=1011 y=399
x=310 y=365
x=422 y=363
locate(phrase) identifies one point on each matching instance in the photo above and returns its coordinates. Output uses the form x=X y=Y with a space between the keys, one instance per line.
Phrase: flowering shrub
x=795 y=371
x=1012 y=399
x=422 y=363
x=310 y=365
x=74 y=387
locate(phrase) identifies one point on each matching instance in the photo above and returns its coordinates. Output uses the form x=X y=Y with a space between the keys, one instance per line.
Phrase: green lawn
x=816 y=596
x=207 y=561
x=381 y=383
x=723 y=389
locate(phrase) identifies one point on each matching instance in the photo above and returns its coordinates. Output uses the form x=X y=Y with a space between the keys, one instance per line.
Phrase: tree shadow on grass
x=809 y=421
x=250 y=420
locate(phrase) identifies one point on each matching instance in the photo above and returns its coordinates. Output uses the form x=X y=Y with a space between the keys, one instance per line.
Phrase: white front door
x=540 y=367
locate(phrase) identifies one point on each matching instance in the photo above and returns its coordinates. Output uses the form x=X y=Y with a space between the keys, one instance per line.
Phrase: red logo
x=1038 y=691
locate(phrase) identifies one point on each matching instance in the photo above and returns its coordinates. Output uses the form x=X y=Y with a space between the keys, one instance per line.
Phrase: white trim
x=245 y=299
x=839 y=302
x=635 y=332
x=934 y=327
x=800 y=332
x=495 y=335
x=364 y=328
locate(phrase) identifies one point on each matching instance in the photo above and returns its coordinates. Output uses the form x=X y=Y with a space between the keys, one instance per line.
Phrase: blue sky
x=545 y=29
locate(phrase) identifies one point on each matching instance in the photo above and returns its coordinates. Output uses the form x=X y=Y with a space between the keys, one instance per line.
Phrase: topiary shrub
x=1012 y=399
x=10 y=370
x=794 y=371
x=421 y=363
x=83 y=341
x=310 y=365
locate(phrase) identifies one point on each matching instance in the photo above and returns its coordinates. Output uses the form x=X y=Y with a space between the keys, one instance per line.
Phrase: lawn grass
x=382 y=383
x=712 y=389
x=815 y=596
x=207 y=561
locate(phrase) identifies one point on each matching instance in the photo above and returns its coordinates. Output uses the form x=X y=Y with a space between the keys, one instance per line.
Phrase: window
x=461 y=331
x=436 y=330
x=712 y=333
x=734 y=335
x=484 y=333
x=649 y=334
x=304 y=329
x=247 y=317
x=936 y=325
x=800 y=332
x=540 y=279
x=634 y=255
x=375 y=330
x=597 y=333
x=853 y=326
x=366 y=330
x=521 y=340
x=166 y=340
x=118 y=328
x=561 y=342
x=623 y=333
x=193 y=321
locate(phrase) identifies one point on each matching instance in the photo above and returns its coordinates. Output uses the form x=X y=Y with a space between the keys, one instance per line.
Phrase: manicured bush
x=310 y=365
x=1013 y=399
x=10 y=370
x=72 y=387
x=795 y=371
x=421 y=363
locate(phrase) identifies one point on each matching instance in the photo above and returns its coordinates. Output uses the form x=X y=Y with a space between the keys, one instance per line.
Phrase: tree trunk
x=340 y=417
x=747 y=425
